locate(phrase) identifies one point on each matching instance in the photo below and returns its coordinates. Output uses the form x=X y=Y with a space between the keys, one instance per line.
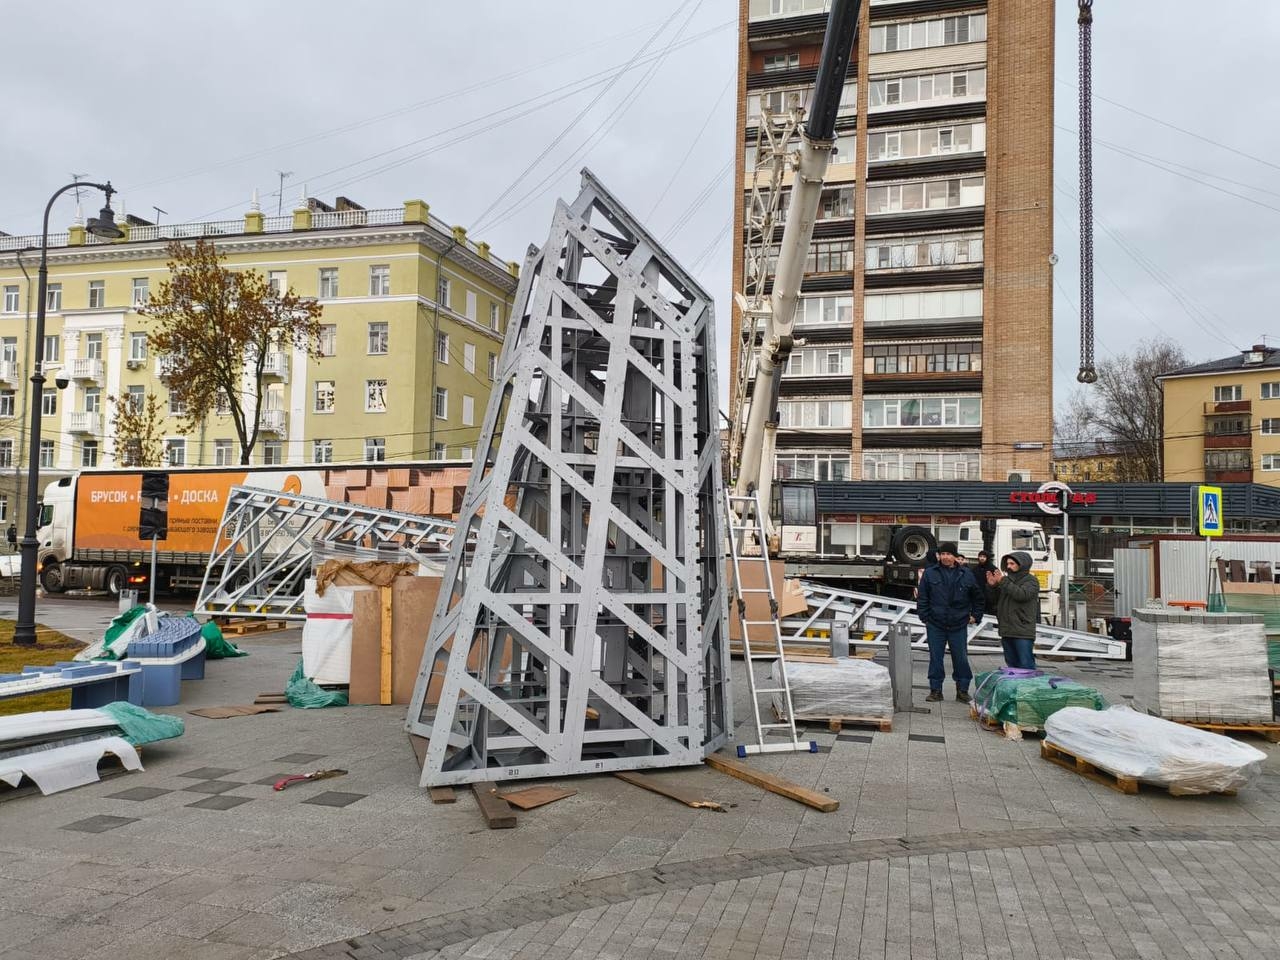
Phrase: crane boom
x=755 y=470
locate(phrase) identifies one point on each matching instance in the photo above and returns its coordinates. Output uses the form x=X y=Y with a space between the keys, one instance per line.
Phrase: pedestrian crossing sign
x=1209 y=511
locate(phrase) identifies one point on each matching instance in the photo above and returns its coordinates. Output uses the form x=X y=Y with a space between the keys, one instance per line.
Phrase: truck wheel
x=51 y=578
x=912 y=544
x=116 y=580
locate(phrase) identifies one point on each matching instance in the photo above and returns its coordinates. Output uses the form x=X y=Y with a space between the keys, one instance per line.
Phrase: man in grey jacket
x=1017 y=598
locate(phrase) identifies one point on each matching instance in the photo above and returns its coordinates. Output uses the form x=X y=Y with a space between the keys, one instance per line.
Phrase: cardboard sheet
x=413 y=601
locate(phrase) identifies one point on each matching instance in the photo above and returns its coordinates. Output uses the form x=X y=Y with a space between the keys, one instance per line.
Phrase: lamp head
x=103 y=225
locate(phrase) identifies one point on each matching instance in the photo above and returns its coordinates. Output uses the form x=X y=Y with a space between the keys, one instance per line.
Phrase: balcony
x=86 y=368
x=273 y=421
x=1234 y=440
x=277 y=366
x=10 y=372
x=1216 y=408
x=165 y=367
x=84 y=421
x=1228 y=476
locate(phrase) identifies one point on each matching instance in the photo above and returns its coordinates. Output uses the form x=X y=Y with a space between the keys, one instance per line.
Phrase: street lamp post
x=104 y=226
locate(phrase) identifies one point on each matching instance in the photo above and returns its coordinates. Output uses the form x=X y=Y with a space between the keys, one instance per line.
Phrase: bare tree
x=1122 y=413
x=139 y=429
x=216 y=327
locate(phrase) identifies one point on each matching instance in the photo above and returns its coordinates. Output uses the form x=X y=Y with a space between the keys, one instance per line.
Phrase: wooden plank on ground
x=419 y=745
x=783 y=788
x=384 y=682
x=533 y=797
x=653 y=785
x=496 y=811
x=443 y=795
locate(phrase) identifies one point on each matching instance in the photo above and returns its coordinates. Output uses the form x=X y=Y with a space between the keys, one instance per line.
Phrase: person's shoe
x=934 y=696
x=962 y=696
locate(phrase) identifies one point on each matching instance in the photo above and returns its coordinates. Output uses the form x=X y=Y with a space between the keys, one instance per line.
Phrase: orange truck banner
x=107 y=508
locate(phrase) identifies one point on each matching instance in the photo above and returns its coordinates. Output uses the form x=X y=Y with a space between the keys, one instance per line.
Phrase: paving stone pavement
x=968 y=847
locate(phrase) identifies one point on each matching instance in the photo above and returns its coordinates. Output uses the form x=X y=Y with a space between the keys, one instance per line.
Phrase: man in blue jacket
x=949 y=601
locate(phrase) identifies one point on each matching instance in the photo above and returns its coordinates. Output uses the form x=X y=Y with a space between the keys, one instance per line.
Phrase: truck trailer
x=88 y=527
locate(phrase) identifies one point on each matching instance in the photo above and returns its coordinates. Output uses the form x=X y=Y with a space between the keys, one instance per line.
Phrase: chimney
x=1255 y=354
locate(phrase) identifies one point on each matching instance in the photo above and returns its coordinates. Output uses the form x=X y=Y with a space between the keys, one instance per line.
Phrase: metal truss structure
x=867 y=613
x=262 y=551
x=585 y=631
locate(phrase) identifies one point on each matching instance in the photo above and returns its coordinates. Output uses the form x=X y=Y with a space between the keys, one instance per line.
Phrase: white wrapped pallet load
x=846 y=688
x=1207 y=667
x=1152 y=750
x=326 y=636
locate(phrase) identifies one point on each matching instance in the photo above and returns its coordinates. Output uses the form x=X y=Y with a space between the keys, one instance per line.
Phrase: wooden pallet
x=1010 y=730
x=836 y=724
x=1069 y=761
x=1271 y=731
x=241 y=626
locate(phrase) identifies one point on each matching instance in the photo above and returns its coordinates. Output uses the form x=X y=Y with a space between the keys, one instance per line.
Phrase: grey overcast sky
x=190 y=107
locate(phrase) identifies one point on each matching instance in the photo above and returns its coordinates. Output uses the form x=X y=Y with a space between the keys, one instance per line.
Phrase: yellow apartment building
x=1222 y=420
x=414 y=313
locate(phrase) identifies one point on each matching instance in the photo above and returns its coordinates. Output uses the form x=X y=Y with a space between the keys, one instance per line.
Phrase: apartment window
x=379 y=337
x=1234 y=460
x=1228 y=394
x=1229 y=426
x=322 y=451
x=1270 y=462
x=97 y=294
x=136 y=397
x=948 y=411
x=177 y=408
x=89 y=453
x=466 y=453
x=926 y=195
x=8 y=403
x=921 y=465
x=1270 y=391
x=472 y=305
x=222 y=453
x=494 y=316
x=380 y=280
x=324 y=396
x=952 y=84
x=272 y=453
x=493 y=366
x=375 y=449
x=375 y=396
x=468 y=411
x=812 y=311
x=966 y=28
x=814 y=413
x=53 y=349
x=442 y=403
x=46 y=454
x=942 y=356
x=444 y=292
x=943 y=250
x=927 y=141
x=328 y=339
x=53 y=298
x=469 y=357
x=11 y=300
x=812 y=466
x=93 y=400
x=819 y=362
x=4 y=506
x=923 y=306
x=222 y=405
x=776 y=62
x=277 y=282
x=442 y=347
x=6 y=454
x=137 y=346
x=328 y=283
x=93 y=346
x=1271 y=426
x=9 y=349
x=437 y=451
x=48 y=402
x=141 y=291
x=175 y=452
x=825 y=256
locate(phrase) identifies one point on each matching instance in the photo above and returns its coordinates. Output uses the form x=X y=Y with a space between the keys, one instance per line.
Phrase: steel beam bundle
x=262 y=551
x=580 y=626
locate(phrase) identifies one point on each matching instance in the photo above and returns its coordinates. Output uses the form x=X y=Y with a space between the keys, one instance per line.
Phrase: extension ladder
x=744 y=520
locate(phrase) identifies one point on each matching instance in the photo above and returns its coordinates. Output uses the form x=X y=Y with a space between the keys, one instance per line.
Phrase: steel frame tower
x=581 y=621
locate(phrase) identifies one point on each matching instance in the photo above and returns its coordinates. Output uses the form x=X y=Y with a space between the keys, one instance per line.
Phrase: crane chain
x=1088 y=373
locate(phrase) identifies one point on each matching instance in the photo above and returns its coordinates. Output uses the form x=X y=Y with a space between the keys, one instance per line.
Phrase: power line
x=692 y=143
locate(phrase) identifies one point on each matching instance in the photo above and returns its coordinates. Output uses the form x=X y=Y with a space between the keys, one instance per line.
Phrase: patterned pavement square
x=223 y=801
x=335 y=798
x=207 y=773
x=138 y=793
x=299 y=758
x=99 y=824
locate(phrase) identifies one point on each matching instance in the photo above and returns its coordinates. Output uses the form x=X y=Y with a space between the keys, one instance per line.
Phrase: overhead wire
x=706 y=123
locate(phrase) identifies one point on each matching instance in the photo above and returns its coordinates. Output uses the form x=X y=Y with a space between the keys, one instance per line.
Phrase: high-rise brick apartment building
x=926 y=310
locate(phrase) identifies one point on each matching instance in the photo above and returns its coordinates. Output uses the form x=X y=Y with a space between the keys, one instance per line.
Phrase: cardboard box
x=413 y=602
x=791 y=599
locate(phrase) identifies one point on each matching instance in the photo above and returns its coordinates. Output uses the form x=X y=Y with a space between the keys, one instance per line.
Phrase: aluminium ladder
x=745 y=523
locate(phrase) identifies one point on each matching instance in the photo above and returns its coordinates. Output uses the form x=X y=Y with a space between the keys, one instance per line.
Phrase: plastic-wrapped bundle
x=848 y=688
x=1210 y=667
x=1126 y=743
x=1029 y=697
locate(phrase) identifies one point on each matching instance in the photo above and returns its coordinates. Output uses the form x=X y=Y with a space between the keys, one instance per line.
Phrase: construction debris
x=225 y=713
x=495 y=810
x=286 y=782
x=533 y=797
x=783 y=788
x=654 y=785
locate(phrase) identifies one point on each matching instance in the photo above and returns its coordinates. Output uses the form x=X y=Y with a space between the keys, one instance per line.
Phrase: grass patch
x=50 y=647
